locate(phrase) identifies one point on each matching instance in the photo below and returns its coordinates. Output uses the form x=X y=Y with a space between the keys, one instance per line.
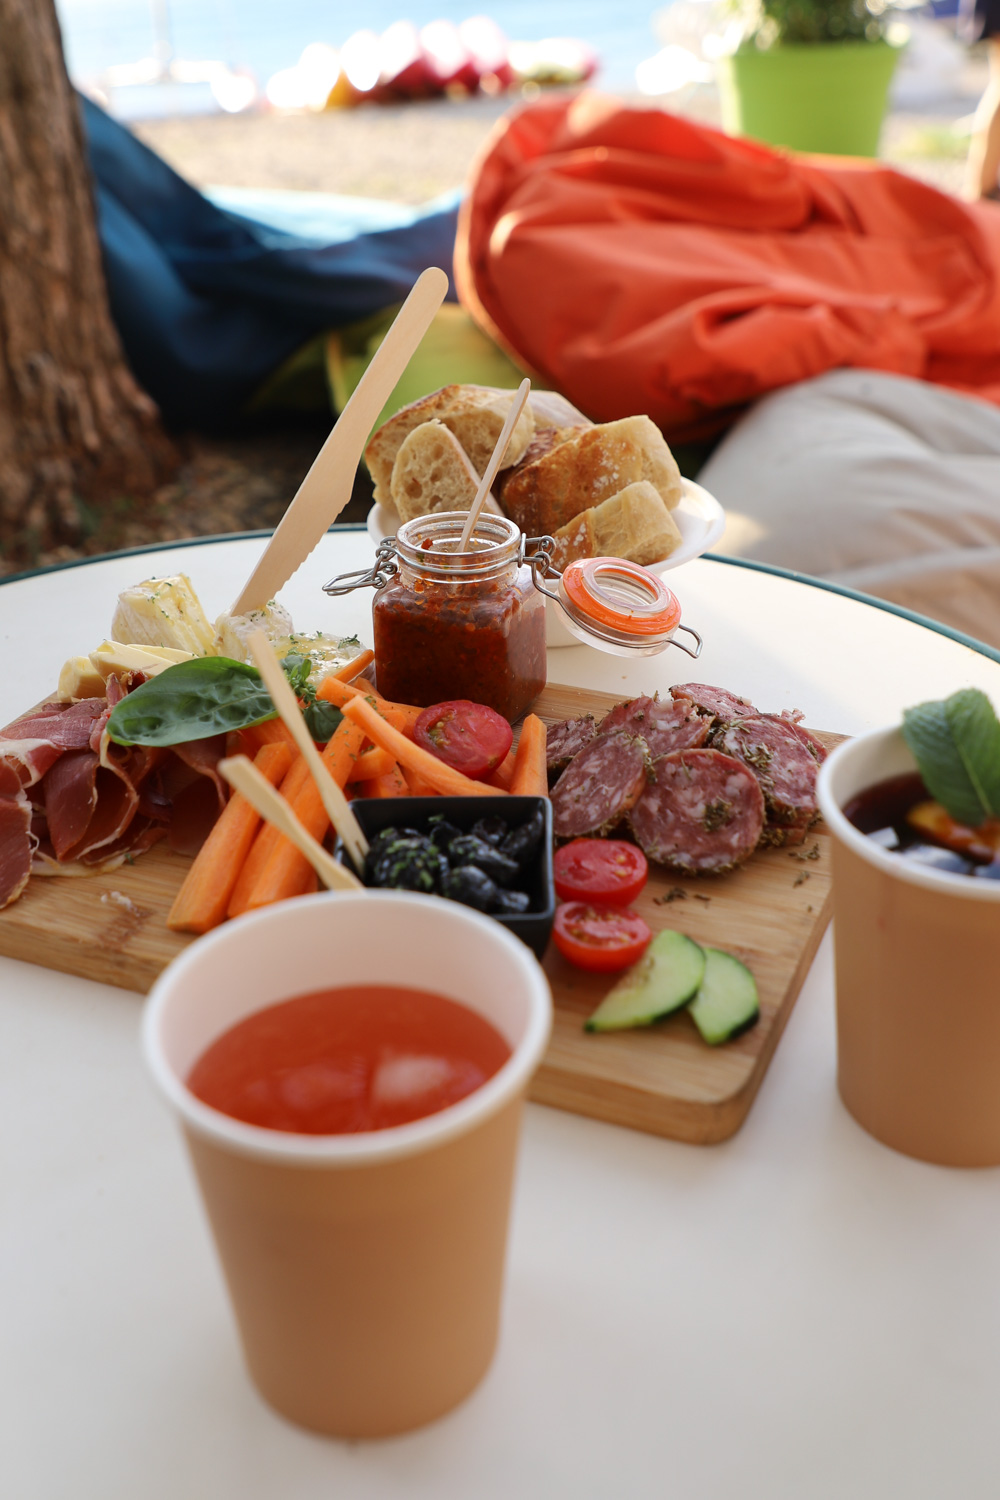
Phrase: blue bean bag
x=209 y=301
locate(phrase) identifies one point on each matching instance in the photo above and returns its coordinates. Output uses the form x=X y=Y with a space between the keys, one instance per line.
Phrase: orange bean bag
x=639 y=262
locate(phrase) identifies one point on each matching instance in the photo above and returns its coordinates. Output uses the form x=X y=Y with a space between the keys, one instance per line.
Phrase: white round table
x=798 y=1314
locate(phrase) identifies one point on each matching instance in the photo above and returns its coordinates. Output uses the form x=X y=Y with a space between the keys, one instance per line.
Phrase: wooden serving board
x=662 y=1079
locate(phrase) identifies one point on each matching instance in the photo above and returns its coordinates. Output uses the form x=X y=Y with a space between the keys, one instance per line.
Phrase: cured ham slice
x=35 y=742
x=16 y=839
x=71 y=800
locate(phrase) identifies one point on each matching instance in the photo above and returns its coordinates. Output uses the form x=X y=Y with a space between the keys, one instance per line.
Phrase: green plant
x=769 y=22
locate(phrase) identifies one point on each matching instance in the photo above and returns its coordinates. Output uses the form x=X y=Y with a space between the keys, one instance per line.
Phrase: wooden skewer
x=242 y=774
x=496 y=459
x=337 y=809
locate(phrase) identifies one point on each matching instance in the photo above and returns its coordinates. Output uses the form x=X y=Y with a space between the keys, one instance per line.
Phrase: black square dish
x=533 y=926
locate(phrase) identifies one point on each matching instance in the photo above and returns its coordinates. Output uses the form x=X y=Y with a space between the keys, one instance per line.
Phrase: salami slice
x=815 y=747
x=702 y=815
x=665 y=725
x=716 y=702
x=599 y=786
x=785 y=765
x=566 y=740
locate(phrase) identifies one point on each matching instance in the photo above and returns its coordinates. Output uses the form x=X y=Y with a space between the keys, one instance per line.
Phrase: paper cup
x=918 y=980
x=365 y=1270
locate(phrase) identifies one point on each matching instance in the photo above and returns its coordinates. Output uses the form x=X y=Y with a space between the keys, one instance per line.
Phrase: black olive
x=470 y=886
x=491 y=830
x=410 y=864
x=511 y=903
x=442 y=832
x=468 y=850
x=523 y=843
x=381 y=841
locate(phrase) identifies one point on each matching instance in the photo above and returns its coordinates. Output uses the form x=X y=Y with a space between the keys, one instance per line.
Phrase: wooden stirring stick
x=337 y=809
x=244 y=776
x=496 y=459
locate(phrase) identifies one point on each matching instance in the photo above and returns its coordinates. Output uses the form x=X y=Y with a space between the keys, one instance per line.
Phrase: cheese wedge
x=115 y=656
x=163 y=612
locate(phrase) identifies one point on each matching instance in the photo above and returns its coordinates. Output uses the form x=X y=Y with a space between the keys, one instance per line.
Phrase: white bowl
x=699 y=517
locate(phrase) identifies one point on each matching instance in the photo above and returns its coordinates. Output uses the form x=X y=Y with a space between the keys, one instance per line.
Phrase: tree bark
x=76 y=432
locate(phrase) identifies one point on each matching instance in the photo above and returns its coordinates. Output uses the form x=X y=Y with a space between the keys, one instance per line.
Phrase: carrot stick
x=266 y=841
x=351 y=668
x=401 y=716
x=202 y=900
x=393 y=784
x=504 y=773
x=413 y=757
x=271 y=732
x=284 y=871
x=530 y=776
x=369 y=764
x=333 y=690
x=416 y=786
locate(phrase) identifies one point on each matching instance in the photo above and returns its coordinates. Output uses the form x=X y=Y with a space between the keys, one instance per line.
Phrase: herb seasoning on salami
x=716 y=702
x=664 y=725
x=703 y=814
x=567 y=739
x=599 y=786
x=785 y=765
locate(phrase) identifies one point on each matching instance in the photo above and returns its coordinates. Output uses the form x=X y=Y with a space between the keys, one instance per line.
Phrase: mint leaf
x=976 y=731
x=956 y=744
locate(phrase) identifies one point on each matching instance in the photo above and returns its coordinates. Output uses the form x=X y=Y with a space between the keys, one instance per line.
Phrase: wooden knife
x=327 y=487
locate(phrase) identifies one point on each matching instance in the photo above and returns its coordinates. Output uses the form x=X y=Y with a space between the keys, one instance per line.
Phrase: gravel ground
x=408 y=153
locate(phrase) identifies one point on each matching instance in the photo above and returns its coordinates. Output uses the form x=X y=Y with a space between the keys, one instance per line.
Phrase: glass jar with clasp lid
x=471 y=624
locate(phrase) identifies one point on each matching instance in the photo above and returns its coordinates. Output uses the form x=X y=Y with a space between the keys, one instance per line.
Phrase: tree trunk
x=75 y=429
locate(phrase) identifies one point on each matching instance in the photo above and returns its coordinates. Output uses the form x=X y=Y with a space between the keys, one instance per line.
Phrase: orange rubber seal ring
x=582 y=583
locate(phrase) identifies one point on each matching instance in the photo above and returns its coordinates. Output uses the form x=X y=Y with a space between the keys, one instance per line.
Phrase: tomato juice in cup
x=348 y=1059
x=365 y=1268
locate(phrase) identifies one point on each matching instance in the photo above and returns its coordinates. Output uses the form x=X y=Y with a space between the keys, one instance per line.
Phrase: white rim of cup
x=363 y=1148
x=908 y=870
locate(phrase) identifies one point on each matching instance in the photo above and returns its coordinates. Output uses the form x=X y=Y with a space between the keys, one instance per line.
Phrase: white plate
x=700 y=520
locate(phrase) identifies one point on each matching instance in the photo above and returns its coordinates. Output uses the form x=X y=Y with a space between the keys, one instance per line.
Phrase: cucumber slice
x=727 y=1001
x=664 y=979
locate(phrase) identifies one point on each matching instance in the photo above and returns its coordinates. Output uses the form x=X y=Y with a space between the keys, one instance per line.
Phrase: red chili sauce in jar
x=467 y=625
x=361 y=1057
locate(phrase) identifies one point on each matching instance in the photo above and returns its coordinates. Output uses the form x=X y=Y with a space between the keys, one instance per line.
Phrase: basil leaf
x=321 y=719
x=956 y=744
x=190 y=701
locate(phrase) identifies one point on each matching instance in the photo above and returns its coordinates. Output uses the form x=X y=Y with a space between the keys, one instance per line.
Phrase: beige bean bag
x=885 y=484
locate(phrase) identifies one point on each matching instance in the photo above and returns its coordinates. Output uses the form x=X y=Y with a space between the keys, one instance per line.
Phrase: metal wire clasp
x=376 y=577
x=540 y=562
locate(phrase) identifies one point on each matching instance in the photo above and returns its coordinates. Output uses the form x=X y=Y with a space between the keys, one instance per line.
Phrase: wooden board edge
x=689 y=1121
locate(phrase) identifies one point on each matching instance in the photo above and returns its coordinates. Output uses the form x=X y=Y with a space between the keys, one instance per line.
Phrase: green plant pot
x=824 y=96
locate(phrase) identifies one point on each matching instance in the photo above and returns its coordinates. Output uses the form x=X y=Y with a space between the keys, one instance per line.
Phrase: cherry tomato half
x=599 y=937
x=600 y=870
x=467 y=736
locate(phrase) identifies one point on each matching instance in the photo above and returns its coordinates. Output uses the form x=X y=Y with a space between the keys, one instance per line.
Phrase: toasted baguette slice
x=432 y=472
x=591 y=467
x=634 y=524
x=544 y=441
x=473 y=413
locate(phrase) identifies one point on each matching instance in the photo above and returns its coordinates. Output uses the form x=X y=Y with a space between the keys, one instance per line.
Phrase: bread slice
x=634 y=524
x=473 y=413
x=544 y=441
x=432 y=472
x=588 y=469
